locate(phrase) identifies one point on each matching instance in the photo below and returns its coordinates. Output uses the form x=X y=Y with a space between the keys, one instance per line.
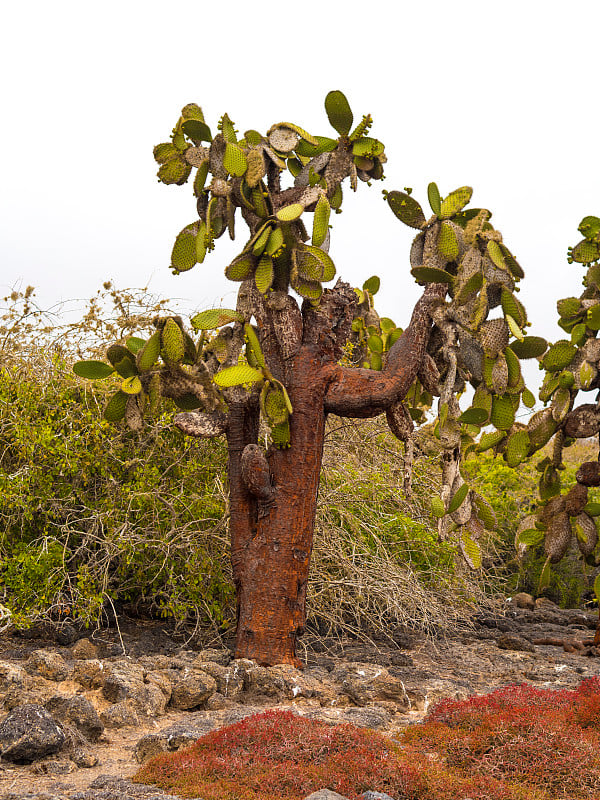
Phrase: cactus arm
x=365 y=393
x=198 y=424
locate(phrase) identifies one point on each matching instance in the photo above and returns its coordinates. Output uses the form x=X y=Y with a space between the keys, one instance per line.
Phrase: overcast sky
x=499 y=96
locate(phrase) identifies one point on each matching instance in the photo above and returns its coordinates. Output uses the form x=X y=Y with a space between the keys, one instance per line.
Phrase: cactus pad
x=447 y=242
x=559 y=356
x=503 y=413
x=406 y=208
x=455 y=202
x=338 y=112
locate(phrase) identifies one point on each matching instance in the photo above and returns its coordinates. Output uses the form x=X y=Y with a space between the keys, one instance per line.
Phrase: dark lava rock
x=512 y=641
x=79 y=712
x=28 y=733
x=106 y=787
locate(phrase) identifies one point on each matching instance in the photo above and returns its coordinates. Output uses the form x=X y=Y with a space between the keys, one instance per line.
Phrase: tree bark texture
x=273 y=495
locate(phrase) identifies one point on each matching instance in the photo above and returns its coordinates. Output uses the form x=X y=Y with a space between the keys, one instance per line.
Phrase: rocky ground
x=81 y=712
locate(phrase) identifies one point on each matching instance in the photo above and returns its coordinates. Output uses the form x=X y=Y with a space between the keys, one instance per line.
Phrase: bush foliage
x=96 y=518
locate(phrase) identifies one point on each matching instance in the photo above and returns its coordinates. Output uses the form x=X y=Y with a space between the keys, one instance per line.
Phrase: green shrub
x=92 y=515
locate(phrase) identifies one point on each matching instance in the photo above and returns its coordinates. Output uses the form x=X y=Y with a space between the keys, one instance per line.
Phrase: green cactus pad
x=517 y=447
x=447 y=243
x=290 y=213
x=455 y=202
x=274 y=242
x=406 y=209
x=275 y=406
x=263 y=277
x=117 y=353
x=495 y=254
x=92 y=370
x=173 y=346
x=586 y=374
x=503 y=413
x=433 y=195
x=241 y=268
x=438 y=508
x=148 y=356
x=559 y=356
x=215 y=318
x=593 y=317
x=254 y=345
x=280 y=435
x=549 y=485
x=512 y=307
x=484 y=511
x=472 y=285
x=132 y=385
x=234 y=160
x=489 y=440
x=371 y=285
x=325 y=145
x=367 y=147
x=375 y=343
x=164 y=152
x=561 y=402
x=197 y=130
x=235 y=376
x=327 y=266
x=568 y=306
x=470 y=549
x=175 y=171
x=338 y=112
x=514 y=328
x=259 y=241
x=589 y=227
x=578 y=334
x=309 y=289
x=474 y=416
x=321 y=221
x=431 y=275
x=511 y=262
x=585 y=252
x=530 y=347
x=183 y=255
x=115 y=410
x=459 y=498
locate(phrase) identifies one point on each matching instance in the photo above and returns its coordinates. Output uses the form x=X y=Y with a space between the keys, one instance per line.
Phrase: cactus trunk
x=271 y=544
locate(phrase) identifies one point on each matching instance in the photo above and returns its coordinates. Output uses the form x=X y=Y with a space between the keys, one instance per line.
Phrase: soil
x=496 y=649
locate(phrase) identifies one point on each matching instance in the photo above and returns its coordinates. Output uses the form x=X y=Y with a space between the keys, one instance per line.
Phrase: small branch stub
x=257 y=477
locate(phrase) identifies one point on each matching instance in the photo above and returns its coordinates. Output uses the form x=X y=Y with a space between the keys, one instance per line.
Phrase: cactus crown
x=246 y=175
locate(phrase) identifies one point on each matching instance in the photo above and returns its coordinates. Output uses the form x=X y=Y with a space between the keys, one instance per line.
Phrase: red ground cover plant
x=279 y=754
x=542 y=739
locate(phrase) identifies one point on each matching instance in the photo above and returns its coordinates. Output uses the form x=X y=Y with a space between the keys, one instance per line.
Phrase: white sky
x=499 y=96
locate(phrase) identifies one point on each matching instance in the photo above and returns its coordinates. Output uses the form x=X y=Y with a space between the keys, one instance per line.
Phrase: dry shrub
x=377 y=561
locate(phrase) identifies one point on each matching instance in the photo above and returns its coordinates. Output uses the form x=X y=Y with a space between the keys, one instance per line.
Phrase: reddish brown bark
x=273 y=497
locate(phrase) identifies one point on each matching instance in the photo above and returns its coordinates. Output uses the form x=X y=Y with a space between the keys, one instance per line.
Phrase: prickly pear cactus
x=571 y=366
x=286 y=249
x=478 y=339
x=231 y=173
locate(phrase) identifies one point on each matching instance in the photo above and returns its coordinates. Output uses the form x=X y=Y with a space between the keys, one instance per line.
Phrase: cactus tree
x=292 y=351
